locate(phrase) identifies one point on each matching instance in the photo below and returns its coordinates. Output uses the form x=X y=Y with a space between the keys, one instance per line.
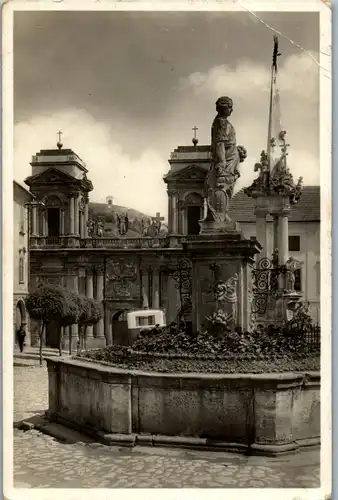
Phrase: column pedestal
x=213 y=272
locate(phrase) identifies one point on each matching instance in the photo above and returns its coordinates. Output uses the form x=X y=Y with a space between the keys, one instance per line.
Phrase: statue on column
x=226 y=157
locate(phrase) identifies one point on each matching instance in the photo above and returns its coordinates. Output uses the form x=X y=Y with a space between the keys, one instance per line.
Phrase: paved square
x=92 y=465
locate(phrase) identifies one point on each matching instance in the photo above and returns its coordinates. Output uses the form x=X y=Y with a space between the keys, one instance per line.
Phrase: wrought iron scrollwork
x=182 y=282
x=265 y=283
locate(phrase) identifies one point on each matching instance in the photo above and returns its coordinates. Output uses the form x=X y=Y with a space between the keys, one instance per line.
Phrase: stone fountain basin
x=265 y=414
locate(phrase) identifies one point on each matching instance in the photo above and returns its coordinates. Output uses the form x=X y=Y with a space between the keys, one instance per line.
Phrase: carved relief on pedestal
x=122 y=279
x=45 y=279
x=219 y=294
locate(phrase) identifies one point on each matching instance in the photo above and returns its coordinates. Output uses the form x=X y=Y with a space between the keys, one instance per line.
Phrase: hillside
x=110 y=215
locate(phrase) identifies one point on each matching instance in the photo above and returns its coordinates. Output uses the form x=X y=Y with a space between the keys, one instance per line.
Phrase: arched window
x=194 y=212
x=53 y=206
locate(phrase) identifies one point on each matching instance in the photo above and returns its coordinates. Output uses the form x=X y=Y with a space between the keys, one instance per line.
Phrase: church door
x=120 y=328
x=53 y=221
x=193 y=215
x=52 y=334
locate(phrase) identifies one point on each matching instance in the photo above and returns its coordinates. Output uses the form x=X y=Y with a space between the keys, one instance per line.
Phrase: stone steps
x=31 y=356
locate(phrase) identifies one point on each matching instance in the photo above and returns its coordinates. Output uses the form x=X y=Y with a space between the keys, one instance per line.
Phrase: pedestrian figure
x=21 y=334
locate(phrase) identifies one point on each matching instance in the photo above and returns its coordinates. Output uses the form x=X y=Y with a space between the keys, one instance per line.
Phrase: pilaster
x=99 y=297
x=90 y=295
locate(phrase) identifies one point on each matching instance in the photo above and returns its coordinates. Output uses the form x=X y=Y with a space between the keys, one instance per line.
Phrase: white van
x=144 y=319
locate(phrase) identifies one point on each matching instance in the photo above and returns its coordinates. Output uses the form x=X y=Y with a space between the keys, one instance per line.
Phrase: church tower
x=185 y=187
x=59 y=182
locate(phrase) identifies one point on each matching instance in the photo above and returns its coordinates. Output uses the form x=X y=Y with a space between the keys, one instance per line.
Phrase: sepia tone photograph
x=168 y=179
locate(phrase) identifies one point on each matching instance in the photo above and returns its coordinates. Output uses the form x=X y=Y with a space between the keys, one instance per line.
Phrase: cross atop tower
x=195 y=140
x=59 y=144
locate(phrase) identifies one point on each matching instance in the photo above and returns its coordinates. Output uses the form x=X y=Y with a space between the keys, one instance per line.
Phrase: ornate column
x=43 y=212
x=73 y=285
x=34 y=221
x=182 y=213
x=156 y=289
x=62 y=221
x=283 y=235
x=90 y=295
x=170 y=218
x=145 y=288
x=76 y=214
x=72 y=214
x=275 y=232
x=108 y=327
x=85 y=217
x=175 y=212
x=99 y=298
x=262 y=231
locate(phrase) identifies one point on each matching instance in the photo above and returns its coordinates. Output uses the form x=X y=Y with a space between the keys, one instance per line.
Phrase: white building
x=21 y=258
x=304 y=239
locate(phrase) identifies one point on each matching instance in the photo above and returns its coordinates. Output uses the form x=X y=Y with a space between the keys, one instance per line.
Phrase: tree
x=90 y=314
x=71 y=316
x=47 y=303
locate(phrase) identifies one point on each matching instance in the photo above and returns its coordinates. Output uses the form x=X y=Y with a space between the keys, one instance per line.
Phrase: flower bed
x=235 y=353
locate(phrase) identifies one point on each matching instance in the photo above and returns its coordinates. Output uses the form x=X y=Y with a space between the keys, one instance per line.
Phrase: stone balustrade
x=118 y=243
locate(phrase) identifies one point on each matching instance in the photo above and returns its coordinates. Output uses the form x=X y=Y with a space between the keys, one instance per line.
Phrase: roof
x=18 y=188
x=242 y=207
x=192 y=149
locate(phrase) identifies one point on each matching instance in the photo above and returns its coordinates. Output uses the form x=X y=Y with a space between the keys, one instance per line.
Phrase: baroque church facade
x=172 y=269
x=123 y=273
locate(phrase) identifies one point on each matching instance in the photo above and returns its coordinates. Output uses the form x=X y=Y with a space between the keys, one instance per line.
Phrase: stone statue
x=226 y=157
x=156 y=227
x=122 y=223
x=145 y=226
x=99 y=228
x=91 y=228
x=291 y=265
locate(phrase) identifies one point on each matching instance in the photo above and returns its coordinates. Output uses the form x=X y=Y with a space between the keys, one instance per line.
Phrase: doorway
x=20 y=318
x=193 y=216
x=53 y=222
x=53 y=331
x=120 y=328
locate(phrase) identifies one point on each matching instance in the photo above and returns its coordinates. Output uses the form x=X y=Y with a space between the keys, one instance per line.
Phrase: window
x=298 y=280
x=22 y=220
x=145 y=320
x=294 y=243
x=21 y=270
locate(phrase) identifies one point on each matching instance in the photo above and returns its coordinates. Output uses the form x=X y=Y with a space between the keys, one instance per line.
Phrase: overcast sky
x=127 y=88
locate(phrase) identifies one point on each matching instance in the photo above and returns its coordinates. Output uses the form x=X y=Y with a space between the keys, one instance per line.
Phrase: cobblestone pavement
x=41 y=461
